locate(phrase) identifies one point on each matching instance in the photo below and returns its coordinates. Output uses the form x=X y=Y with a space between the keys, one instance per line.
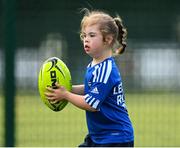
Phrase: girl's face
x=93 y=41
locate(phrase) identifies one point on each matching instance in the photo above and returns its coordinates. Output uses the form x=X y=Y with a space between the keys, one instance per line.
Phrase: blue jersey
x=104 y=92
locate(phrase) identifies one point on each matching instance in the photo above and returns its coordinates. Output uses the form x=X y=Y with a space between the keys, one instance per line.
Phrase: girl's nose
x=86 y=39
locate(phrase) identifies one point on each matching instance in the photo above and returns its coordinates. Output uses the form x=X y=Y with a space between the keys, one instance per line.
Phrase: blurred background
x=33 y=30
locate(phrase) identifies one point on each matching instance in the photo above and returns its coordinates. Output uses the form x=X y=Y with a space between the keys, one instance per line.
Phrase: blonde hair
x=107 y=25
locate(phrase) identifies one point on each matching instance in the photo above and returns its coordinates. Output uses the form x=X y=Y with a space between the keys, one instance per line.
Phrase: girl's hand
x=60 y=93
x=55 y=95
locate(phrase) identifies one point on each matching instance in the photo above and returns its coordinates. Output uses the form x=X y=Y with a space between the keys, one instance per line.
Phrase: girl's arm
x=61 y=93
x=79 y=101
x=78 y=89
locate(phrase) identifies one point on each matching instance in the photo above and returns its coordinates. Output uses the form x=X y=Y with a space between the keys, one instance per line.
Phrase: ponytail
x=122 y=35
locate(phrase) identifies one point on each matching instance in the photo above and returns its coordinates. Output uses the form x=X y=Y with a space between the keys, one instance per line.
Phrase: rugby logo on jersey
x=95 y=91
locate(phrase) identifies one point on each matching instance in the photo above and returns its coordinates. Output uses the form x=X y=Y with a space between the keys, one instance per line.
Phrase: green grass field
x=155 y=117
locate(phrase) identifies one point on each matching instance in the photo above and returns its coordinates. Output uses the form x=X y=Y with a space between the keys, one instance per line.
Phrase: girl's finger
x=57 y=85
x=49 y=94
x=50 y=89
x=54 y=101
x=51 y=98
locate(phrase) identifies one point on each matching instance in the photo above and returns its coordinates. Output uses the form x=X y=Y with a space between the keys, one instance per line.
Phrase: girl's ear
x=109 y=39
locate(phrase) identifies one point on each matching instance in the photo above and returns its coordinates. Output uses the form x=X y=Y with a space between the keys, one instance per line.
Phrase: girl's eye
x=92 y=35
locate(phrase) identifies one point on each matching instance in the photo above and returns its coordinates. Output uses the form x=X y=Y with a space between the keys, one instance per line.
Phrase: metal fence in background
x=146 y=66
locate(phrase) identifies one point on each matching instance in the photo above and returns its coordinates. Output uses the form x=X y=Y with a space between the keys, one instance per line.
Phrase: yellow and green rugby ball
x=54 y=70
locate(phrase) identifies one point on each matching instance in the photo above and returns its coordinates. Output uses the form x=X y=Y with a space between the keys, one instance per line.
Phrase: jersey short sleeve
x=101 y=84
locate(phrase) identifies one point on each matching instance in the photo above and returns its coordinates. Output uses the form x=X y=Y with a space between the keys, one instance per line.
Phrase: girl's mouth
x=86 y=48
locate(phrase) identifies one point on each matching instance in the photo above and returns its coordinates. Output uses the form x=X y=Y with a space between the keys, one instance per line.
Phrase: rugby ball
x=53 y=70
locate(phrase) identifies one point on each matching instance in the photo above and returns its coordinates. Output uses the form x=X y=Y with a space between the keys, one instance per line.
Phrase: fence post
x=9 y=20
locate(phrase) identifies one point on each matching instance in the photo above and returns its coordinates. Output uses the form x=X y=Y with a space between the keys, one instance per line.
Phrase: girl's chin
x=89 y=53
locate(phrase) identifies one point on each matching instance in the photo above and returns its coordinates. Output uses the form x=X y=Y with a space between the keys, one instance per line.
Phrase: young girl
x=102 y=94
